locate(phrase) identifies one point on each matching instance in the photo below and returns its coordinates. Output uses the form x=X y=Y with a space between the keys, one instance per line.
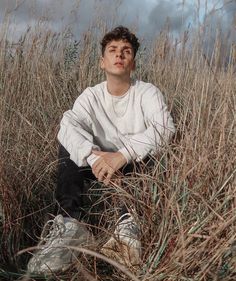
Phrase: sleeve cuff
x=92 y=159
x=128 y=153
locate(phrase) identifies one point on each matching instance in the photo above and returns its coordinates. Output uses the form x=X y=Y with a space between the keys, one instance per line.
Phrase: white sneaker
x=125 y=245
x=53 y=253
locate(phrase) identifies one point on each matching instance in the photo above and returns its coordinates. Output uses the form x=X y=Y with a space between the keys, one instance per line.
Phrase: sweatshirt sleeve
x=75 y=133
x=159 y=127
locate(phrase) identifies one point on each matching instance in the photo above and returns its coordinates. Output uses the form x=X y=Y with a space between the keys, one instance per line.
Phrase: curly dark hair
x=120 y=33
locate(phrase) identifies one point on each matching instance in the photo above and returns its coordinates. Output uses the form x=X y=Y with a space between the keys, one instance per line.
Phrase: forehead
x=119 y=43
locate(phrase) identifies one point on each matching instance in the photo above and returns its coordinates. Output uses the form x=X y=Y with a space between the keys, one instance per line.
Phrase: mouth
x=119 y=64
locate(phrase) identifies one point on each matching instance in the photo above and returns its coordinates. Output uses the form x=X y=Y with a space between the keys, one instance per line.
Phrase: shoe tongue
x=71 y=223
x=59 y=219
x=68 y=219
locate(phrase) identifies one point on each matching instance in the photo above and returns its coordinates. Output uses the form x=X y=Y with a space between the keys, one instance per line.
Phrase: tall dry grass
x=186 y=203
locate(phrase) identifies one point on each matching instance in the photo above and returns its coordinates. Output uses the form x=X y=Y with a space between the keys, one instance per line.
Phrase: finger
x=97 y=152
x=97 y=171
x=96 y=168
x=106 y=182
x=116 y=181
x=97 y=163
x=101 y=164
x=107 y=179
x=102 y=174
x=109 y=176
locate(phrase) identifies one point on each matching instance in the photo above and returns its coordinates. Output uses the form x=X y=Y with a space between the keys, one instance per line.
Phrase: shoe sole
x=121 y=253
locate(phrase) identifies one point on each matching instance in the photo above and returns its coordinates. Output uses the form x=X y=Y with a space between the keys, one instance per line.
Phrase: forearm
x=76 y=139
x=150 y=141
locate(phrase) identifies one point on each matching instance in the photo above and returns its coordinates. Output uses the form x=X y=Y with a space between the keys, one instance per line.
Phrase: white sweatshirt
x=136 y=124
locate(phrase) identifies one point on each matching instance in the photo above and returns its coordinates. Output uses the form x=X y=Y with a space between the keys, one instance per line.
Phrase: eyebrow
x=114 y=47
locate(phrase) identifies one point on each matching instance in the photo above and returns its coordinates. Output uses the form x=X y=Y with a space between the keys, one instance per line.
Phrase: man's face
x=118 y=58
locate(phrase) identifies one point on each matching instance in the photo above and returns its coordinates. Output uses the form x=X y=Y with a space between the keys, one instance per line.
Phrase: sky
x=146 y=17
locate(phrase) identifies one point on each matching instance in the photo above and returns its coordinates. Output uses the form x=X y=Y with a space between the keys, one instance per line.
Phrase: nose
x=119 y=54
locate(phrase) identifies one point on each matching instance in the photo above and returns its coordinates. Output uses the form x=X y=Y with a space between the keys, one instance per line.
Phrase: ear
x=102 y=62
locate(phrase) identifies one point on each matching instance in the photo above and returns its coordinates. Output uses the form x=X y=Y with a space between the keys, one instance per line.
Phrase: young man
x=112 y=125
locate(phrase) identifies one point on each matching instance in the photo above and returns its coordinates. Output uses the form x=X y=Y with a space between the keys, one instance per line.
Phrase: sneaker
x=53 y=253
x=125 y=246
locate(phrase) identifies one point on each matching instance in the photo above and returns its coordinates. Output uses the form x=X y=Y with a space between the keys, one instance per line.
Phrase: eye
x=127 y=51
x=112 y=50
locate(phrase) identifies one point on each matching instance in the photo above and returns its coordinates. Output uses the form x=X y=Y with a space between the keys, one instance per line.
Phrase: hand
x=107 y=164
x=116 y=181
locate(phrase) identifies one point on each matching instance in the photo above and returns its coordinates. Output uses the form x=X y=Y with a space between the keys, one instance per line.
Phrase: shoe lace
x=52 y=230
x=127 y=227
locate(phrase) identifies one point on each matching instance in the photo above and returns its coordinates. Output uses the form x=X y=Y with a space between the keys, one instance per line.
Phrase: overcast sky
x=146 y=17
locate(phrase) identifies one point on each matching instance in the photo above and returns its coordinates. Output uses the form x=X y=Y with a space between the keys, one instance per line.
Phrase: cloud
x=171 y=13
x=25 y=10
x=27 y=13
x=230 y=9
x=146 y=17
x=219 y=23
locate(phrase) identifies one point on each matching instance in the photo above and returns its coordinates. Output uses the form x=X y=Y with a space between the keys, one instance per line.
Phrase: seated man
x=112 y=125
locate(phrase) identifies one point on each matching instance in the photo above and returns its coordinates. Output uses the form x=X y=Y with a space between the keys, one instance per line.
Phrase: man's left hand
x=107 y=164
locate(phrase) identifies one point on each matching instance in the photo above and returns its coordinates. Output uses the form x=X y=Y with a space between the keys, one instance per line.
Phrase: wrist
x=128 y=153
x=122 y=157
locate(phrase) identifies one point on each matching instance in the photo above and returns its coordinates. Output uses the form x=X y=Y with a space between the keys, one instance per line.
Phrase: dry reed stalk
x=186 y=203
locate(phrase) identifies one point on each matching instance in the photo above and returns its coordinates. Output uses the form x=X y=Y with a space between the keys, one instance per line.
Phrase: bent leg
x=70 y=185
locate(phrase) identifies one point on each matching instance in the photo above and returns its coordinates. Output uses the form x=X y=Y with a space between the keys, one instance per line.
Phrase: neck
x=118 y=86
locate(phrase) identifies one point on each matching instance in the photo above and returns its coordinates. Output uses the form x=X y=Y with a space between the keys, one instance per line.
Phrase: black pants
x=71 y=184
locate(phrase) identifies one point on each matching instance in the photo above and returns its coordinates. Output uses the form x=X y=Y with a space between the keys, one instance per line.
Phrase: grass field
x=187 y=202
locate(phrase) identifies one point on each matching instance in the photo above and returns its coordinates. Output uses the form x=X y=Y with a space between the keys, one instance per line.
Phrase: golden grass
x=186 y=203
